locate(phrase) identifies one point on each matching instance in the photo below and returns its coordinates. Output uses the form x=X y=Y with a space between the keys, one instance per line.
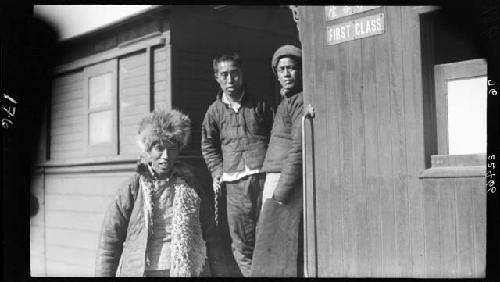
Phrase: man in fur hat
x=160 y=223
x=277 y=247
x=235 y=133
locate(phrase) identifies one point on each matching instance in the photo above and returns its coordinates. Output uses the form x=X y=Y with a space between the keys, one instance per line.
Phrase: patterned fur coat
x=127 y=225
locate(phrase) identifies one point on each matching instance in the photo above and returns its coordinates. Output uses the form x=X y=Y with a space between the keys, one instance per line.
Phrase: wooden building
x=105 y=81
x=389 y=198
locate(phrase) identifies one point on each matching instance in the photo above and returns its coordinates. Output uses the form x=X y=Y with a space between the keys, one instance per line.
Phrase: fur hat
x=285 y=51
x=164 y=125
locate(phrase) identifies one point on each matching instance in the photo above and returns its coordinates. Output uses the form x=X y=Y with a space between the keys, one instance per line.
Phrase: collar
x=236 y=105
x=225 y=99
x=290 y=93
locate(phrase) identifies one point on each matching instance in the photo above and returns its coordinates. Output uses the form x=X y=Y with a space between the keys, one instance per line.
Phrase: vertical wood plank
x=323 y=171
x=361 y=255
x=311 y=96
x=479 y=209
x=343 y=88
x=150 y=78
x=447 y=207
x=432 y=234
x=413 y=134
x=372 y=174
x=335 y=195
x=398 y=144
x=464 y=228
x=386 y=205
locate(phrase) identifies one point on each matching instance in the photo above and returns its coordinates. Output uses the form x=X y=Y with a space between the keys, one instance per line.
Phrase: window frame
x=442 y=74
x=111 y=148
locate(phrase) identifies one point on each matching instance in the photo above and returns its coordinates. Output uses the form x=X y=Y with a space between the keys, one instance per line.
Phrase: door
x=364 y=150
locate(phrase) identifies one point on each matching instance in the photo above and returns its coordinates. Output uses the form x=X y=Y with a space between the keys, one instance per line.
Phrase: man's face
x=229 y=77
x=162 y=156
x=289 y=73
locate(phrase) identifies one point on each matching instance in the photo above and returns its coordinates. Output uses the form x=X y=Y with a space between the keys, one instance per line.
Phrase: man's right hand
x=217 y=184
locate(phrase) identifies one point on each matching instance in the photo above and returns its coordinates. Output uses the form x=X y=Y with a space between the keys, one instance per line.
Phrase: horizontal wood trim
x=465 y=69
x=61 y=268
x=88 y=203
x=159 y=39
x=67 y=94
x=67 y=79
x=72 y=257
x=73 y=238
x=454 y=172
x=53 y=165
x=425 y=9
x=63 y=131
x=75 y=220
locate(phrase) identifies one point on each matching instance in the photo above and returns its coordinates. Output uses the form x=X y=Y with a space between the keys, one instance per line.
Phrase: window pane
x=100 y=127
x=467 y=116
x=100 y=90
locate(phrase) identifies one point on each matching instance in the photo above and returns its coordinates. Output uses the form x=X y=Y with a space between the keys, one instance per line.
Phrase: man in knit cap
x=280 y=216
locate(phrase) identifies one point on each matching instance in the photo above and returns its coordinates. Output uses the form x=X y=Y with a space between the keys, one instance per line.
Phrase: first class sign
x=358 y=28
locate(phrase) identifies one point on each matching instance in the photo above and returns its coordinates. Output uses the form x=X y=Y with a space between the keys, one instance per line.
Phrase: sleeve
x=292 y=167
x=210 y=143
x=114 y=232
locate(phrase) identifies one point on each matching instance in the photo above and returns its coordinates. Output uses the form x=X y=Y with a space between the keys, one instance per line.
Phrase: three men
x=235 y=136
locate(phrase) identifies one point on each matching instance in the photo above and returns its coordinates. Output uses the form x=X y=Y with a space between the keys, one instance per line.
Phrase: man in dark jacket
x=235 y=134
x=278 y=227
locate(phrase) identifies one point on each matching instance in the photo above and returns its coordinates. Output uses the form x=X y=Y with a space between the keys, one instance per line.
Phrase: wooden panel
x=385 y=203
x=66 y=116
x=75 y=206
x=73 y=238
x=335 y=230
x=465 y=226
x=432 y=231
x=455 y=227
x=372 y=174
x=162 y=77
x=479 y=220
x=37 y=228
x=64 y=269
x=374 y=97
x=412 y=97
x=76 y=221
x=134 y=98
x=447 y=226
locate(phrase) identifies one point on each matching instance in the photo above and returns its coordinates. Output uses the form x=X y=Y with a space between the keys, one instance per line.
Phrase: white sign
x=359 y=28
x=335 y=12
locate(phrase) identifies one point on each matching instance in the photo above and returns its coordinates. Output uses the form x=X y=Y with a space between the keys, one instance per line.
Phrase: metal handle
x=308 y=114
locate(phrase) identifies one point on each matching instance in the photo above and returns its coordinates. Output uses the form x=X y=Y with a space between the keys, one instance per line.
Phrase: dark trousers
x=244 y=200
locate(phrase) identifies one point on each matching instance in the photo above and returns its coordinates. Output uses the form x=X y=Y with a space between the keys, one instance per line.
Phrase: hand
x=277 y=201
x=217 y=184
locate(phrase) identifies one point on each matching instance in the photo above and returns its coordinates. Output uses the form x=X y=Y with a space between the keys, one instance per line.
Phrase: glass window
x=100 y=127
x=100 y=90
x=467 y=115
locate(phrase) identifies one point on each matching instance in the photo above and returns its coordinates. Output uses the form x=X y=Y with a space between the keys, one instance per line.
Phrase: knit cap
x=283 y=51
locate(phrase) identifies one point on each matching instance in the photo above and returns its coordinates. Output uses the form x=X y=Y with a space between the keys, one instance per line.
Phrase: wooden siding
x=67 y=117
x=370 y=214
x=37 y=228
x=133 y=97
x=74 y=209
x=144 y=78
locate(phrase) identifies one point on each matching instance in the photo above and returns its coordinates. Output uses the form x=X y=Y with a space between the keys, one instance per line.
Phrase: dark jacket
x=284 y=153
x=124 y=236
x=230 y=141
